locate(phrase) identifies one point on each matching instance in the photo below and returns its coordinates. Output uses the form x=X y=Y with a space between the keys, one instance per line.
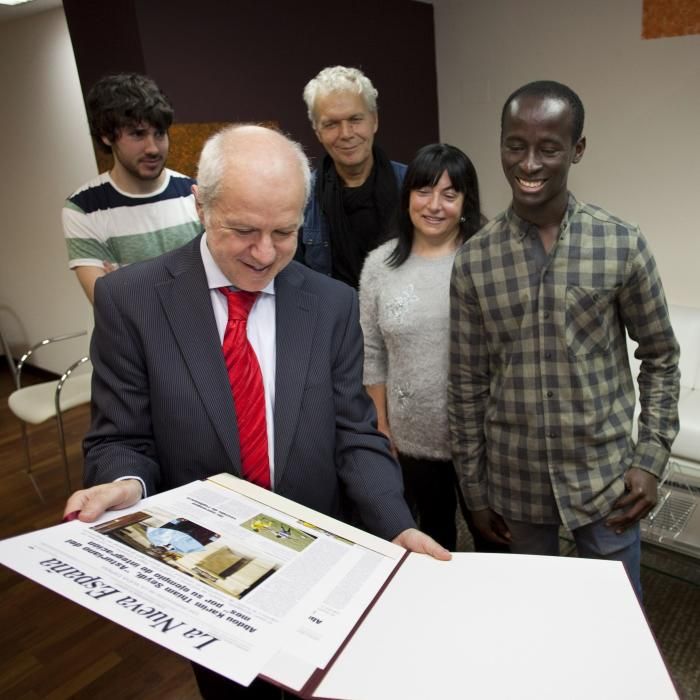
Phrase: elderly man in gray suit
x=165 y=407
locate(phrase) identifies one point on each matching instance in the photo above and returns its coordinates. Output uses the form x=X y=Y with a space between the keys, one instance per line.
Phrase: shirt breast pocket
x=590 y=314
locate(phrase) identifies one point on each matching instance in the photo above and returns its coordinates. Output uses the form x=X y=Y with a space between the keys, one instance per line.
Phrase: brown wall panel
x=249 y=61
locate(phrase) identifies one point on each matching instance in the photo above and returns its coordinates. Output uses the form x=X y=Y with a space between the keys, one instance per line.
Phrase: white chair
x=38 y=402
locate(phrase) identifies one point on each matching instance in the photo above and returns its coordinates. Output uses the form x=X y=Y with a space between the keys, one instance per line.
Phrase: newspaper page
x=229 y=575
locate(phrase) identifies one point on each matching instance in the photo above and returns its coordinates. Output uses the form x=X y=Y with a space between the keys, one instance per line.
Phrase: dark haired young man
x=139 y=209
x=540 y=397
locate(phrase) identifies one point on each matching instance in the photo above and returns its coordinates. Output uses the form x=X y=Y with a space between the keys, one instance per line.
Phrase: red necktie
x=247 y=388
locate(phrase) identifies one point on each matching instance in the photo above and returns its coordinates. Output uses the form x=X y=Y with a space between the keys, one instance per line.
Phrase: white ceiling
x=10 y=12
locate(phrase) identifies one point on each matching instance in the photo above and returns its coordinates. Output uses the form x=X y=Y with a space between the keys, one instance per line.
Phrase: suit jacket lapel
x=187 y=306
x=296 y=314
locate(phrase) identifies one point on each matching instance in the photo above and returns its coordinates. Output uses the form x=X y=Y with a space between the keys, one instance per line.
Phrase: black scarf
x=358 y=217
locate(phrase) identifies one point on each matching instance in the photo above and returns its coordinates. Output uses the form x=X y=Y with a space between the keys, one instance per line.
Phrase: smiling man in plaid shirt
x=541 y=397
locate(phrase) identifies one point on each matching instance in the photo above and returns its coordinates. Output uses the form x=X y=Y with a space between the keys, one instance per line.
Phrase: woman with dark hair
x=404 y=311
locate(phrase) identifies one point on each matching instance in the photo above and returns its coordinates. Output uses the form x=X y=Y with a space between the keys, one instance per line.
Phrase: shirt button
x=548 y=355
x=550 y=394
x=546 y=314
x=551 y=434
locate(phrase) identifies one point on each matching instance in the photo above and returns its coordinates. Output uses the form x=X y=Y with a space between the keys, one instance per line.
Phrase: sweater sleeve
x=375 y=351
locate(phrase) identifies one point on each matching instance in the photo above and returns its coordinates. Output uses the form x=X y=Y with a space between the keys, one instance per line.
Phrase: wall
x=220 y=61
x=245 y=61
x=642 y=100
x=46 y=153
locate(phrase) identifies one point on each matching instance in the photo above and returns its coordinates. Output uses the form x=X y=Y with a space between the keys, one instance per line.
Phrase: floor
x=53 y=649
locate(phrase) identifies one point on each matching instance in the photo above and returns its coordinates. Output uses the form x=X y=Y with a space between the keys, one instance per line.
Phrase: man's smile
x=531 y=185
x=254 y=267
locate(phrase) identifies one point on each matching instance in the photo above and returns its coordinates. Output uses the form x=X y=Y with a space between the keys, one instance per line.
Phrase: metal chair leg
x=28 y=471
x=59 y=417
x=64 y=453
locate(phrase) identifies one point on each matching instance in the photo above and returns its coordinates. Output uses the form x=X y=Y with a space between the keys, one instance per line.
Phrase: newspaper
x=250 y=584
x=229 y=575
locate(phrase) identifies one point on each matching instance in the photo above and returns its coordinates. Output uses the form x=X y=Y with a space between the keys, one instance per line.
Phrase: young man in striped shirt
x=139 y=209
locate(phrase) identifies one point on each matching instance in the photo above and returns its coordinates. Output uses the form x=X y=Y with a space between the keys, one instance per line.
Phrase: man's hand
x=416 y=541
x=639 y=498
x=91 y=503
x=491 y=525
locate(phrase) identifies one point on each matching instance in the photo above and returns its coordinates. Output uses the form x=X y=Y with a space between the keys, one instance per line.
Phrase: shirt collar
x=520 y=227
x=215 y=277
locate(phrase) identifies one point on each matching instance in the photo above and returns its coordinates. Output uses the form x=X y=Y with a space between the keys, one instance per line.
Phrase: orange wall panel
x=664 y=18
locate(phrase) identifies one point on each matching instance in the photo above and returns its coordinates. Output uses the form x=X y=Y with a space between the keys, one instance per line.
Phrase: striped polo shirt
x=103 y=223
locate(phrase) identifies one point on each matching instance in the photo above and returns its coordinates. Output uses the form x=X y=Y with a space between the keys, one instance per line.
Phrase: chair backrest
x=686 y=326
x=42 y=343
x=73 y=389
x=10 y=360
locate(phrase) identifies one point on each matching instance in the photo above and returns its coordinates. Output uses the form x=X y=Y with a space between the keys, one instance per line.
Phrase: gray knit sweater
x=404 y=314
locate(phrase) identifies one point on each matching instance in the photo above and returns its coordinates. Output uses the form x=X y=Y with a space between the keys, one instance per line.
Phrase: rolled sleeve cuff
x=651 y=458
x=476 y=495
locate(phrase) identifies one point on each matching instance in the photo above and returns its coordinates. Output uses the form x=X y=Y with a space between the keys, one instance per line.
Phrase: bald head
x=254 y=152
x=252 y=187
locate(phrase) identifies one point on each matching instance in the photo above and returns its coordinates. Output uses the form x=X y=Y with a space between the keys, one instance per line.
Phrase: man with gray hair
x=356 y=189
x=169 y=404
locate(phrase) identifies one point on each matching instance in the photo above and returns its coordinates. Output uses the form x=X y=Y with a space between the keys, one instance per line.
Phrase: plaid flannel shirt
x=541 y=397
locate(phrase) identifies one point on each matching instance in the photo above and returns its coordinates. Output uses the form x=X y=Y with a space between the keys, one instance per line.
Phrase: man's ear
x=579 y=149
x=200 y=208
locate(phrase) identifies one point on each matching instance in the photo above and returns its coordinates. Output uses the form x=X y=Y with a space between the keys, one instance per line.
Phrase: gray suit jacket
x=162 y=405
